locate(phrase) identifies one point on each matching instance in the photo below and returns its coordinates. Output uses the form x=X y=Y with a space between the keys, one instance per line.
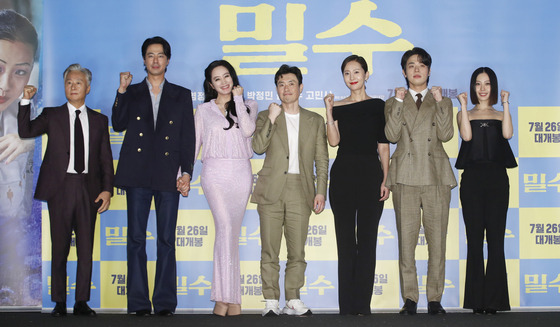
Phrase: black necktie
x=419 y=100
x=78 y=144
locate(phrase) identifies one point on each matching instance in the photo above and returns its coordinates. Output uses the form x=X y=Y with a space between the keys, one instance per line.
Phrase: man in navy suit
x=76 y=180
x=156 y=161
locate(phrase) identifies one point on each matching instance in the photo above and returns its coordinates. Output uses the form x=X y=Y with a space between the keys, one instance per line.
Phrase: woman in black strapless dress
x=484 y=155
x=357 y=189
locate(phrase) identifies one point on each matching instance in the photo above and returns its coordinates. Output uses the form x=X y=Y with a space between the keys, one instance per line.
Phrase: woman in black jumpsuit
x=357 y=184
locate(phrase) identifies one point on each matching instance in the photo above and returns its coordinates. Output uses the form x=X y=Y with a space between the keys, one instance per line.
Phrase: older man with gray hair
x=76 y=180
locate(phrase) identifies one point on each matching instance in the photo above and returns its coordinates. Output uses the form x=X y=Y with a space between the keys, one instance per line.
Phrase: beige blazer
x=272 y=139
x=419 y=158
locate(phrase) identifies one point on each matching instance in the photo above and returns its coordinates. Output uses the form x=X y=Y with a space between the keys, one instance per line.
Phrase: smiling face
x=76 y=88
x=483 y=87
x=354 y=75
x=221 y=80
x=155 y=60
x=288 y=88
x=16 y=63
x=417 y=73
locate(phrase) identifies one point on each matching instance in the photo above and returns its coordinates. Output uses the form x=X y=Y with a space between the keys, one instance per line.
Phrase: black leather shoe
x=165 y=313
x=82 y=308
x=435 y=308
x=490 y=311
x=409 y=308
x=143 y=313
x=478 y=311
x=59 y=309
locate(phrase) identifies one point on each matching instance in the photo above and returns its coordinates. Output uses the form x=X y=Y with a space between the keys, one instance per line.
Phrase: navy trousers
x=165 y=286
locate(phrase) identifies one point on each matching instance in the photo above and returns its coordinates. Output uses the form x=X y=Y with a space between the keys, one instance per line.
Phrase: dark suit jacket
x=272 y=139
x=151 y=158
x=55 y=122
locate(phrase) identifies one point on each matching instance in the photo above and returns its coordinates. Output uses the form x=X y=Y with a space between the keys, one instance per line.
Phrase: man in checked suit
x=420 y=176
x=76 y=180
x=159 y=143
x=294 y=140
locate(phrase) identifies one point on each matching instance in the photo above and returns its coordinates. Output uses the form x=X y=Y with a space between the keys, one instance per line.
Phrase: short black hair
x=285 y=69
x=156 y=40
x=359 y=59
x=423 y=56
x=493 y=85
x=16 y=27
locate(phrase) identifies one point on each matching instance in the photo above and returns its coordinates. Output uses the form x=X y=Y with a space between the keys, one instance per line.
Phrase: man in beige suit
x=294 y=140
x=420 y=176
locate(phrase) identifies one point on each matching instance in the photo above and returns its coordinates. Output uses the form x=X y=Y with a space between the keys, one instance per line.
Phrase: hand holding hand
x=125 y=80
x=184 y=184
x=237 y=90
x=400 y=92
x=29 y=91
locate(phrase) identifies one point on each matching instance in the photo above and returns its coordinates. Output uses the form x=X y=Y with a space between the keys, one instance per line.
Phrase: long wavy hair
x=210 y=93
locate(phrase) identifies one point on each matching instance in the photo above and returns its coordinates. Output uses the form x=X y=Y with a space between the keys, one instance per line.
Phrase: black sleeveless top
x=361 y=126
x=486 y=146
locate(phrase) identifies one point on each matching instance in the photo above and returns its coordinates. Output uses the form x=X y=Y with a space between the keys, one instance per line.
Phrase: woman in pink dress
x=224 y=125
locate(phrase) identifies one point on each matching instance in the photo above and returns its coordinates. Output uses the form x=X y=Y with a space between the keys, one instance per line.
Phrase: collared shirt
x=155 y=99
x=413 y=93
x=85 y=129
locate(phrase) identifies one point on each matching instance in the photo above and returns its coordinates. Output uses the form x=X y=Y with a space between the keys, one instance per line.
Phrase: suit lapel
x=304 y=125
x=65 y=125
x=147 y=110
x=410 y=112
x=424 y=109
x=282 y=130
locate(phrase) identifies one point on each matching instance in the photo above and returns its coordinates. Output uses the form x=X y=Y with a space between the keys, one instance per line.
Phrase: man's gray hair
x=78 y=68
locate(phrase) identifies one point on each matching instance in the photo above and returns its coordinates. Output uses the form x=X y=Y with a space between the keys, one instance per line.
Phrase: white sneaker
x=296 y=307
x=271 y=308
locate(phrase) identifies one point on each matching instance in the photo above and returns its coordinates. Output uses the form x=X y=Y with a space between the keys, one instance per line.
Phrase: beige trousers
x=290 y=215
x=429 y=206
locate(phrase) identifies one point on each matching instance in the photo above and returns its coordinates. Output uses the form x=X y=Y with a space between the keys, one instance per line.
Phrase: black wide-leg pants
x=484 y=196
x=354 y=198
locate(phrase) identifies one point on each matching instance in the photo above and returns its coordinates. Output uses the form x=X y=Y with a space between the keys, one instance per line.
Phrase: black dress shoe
x=490 y=311
x=59 y=309
x=478 y=311
x=82 y=308
x=435 y=308
x=143 y=313
x=409 y=308
x=165 y=313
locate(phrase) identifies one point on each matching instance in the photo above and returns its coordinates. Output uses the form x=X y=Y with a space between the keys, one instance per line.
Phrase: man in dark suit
x=295 y=141
x=420 y=177
x=159 y=144
x=76 y=180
